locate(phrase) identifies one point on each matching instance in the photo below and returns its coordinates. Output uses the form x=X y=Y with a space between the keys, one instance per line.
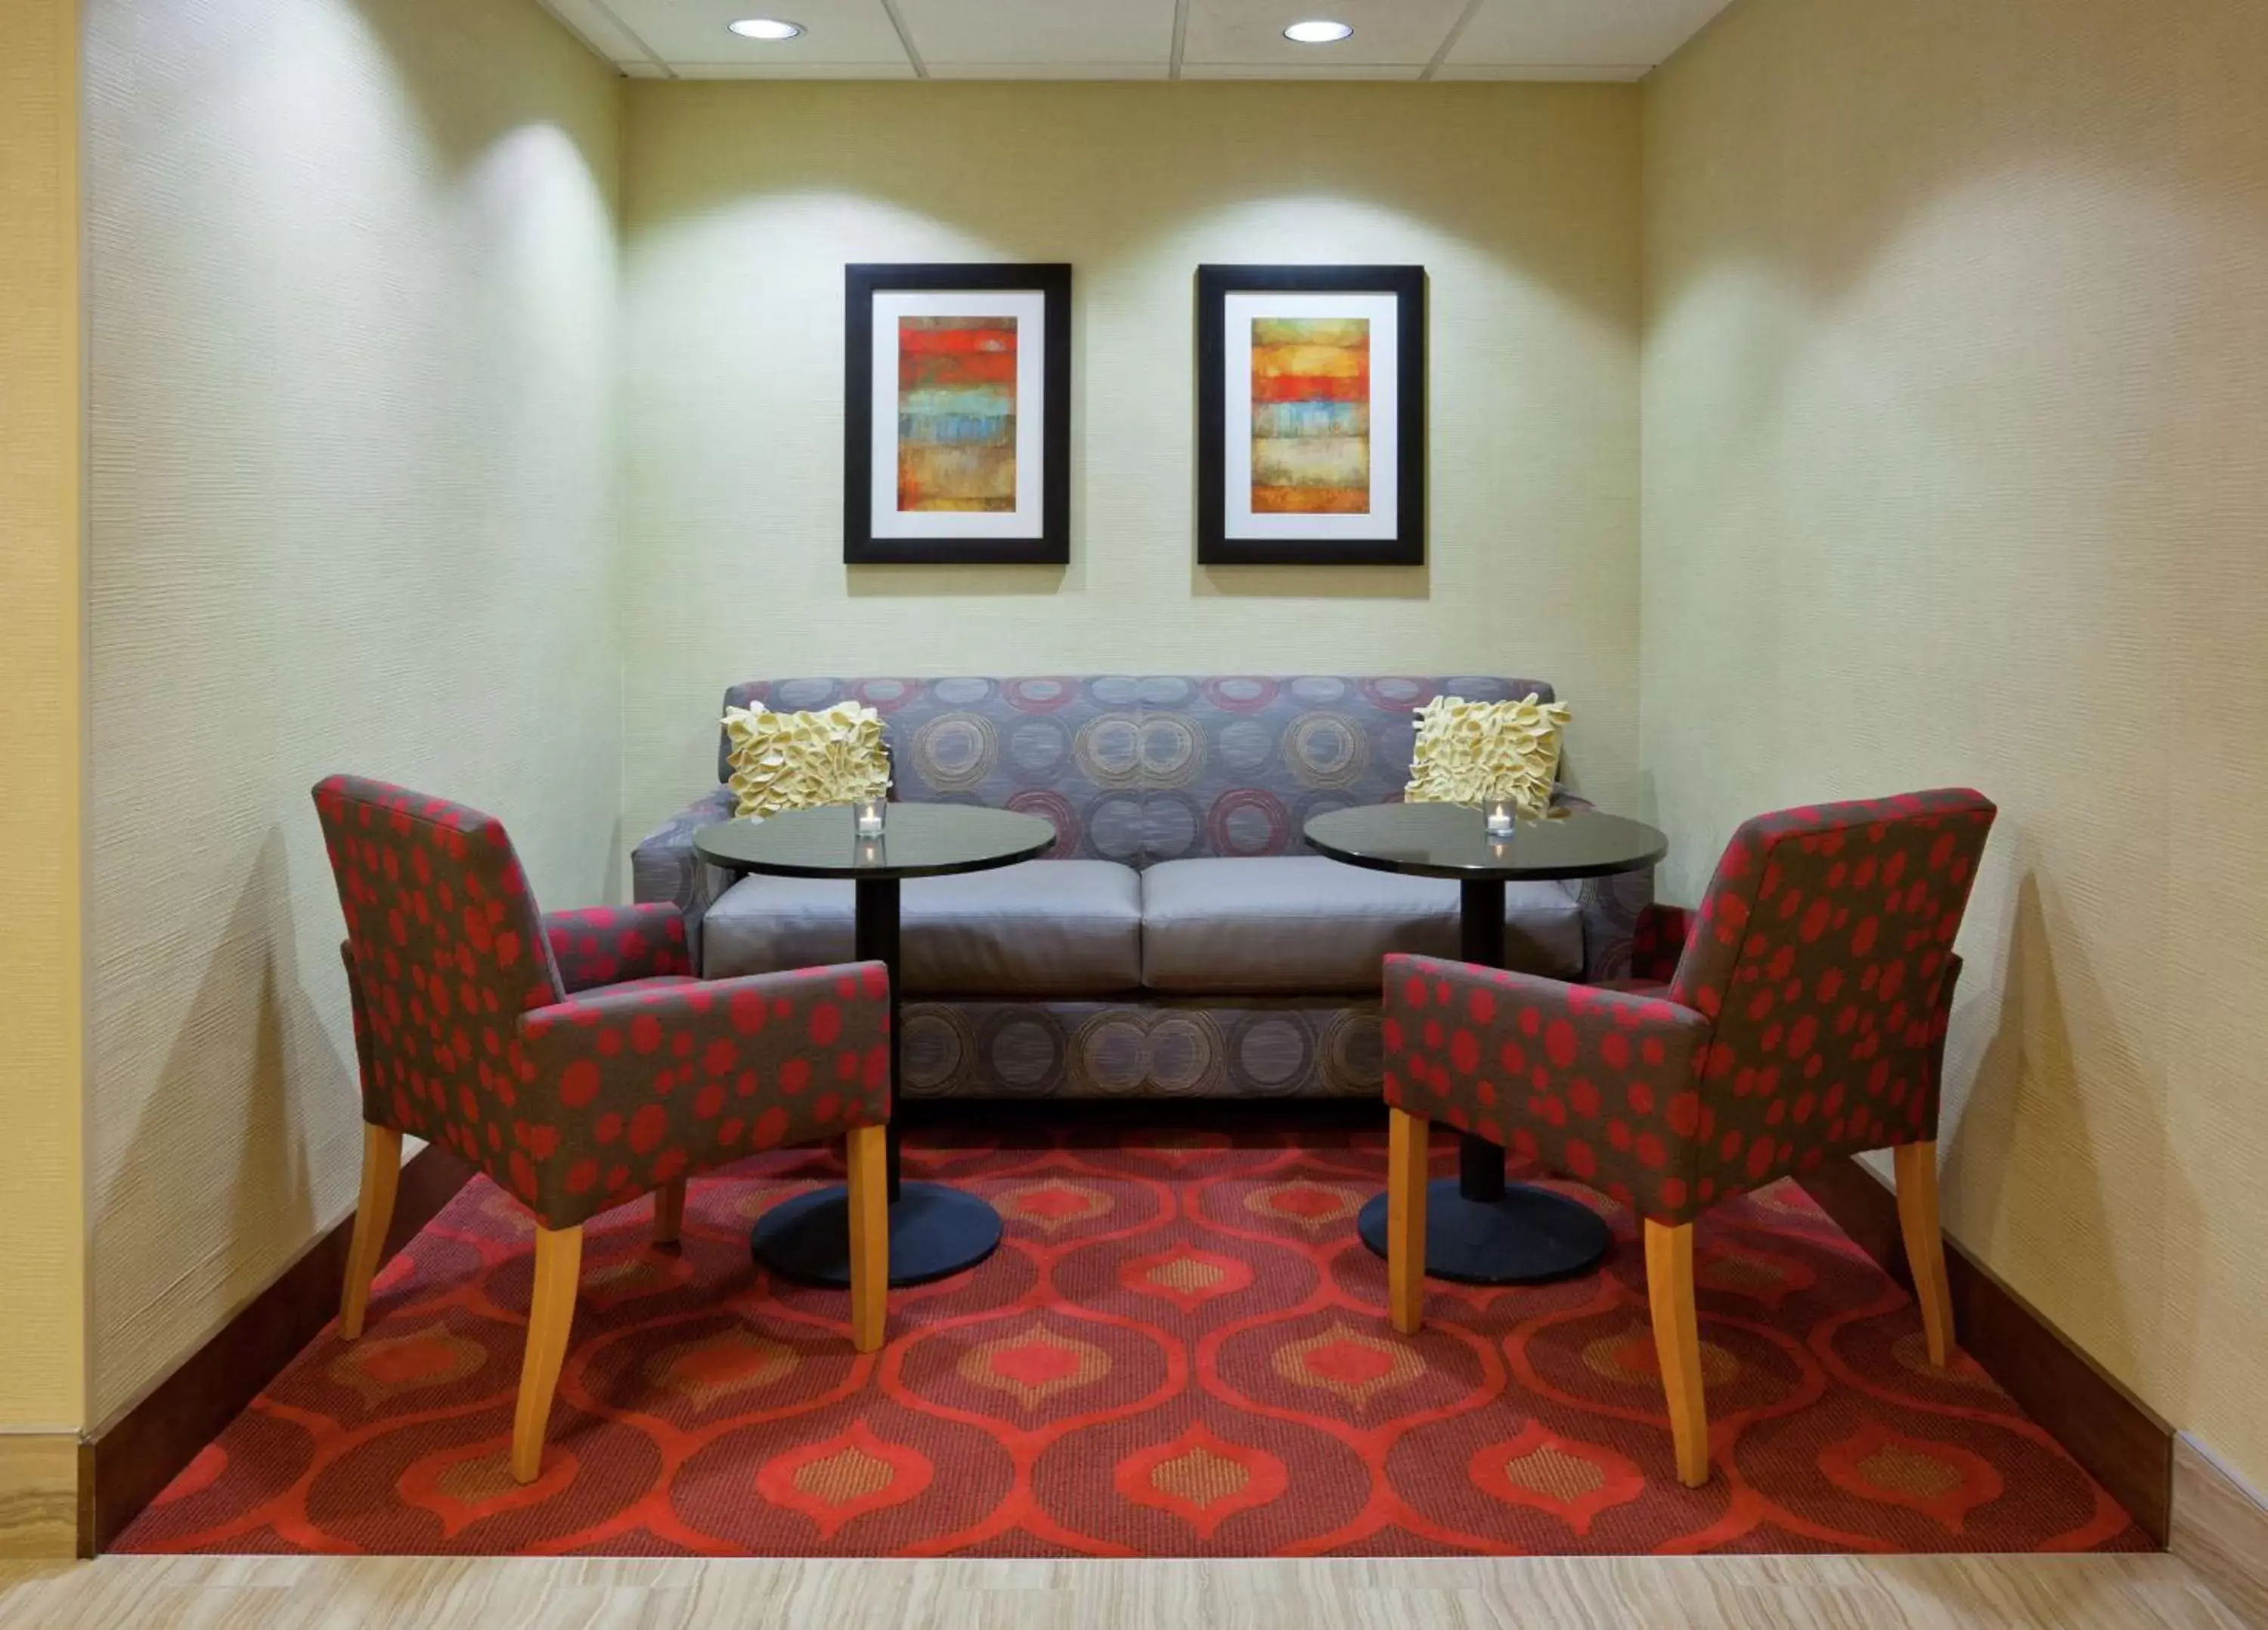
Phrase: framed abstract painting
x=1311 y=415
x=956 y=435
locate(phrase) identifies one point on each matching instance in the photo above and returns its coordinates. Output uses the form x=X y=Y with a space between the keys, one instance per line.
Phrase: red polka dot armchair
x=1802 y=1019
x=573 y=1057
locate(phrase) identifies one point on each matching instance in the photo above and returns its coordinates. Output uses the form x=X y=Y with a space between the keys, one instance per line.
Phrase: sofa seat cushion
x=1306 y=926
x=1044 y=928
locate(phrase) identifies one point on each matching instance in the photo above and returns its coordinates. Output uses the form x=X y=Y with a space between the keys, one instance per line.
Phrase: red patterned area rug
x=1180 y=1350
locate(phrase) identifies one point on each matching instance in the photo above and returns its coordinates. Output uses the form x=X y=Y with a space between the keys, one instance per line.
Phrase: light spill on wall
x=353 y=275
x=745 y=201
x=1955 y=376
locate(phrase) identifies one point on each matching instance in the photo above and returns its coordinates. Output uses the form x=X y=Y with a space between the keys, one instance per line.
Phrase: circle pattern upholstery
x=1103 y=1049
x=956 y=752
x=1219 y=765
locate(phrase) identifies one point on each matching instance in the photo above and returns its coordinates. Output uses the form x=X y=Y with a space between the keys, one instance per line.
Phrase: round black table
x=1479 y=1230
x=934 y=1230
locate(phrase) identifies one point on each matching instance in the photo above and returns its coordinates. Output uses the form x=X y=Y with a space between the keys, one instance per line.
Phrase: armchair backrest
x=1819 y=954
x=445 y=948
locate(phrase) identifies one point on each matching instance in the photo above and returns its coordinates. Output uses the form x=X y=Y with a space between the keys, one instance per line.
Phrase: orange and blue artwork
x=1311 y=415
x=957 y=415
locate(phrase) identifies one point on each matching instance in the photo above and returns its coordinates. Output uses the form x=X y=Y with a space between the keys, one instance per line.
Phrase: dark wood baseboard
x=2121 y=1440
x=124 y=1468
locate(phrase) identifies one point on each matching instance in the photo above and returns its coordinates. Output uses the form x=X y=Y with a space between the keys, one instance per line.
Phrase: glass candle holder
x=1500 y=818
x=869 y=813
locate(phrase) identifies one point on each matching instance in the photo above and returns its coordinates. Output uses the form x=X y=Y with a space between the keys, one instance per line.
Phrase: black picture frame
x=1052 y=544
x=1407 y=545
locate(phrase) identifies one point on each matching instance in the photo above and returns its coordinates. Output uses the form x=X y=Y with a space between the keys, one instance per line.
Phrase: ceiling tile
x=598 y=28
x=1277 y=70
x=1223 y=32
x=839 y=36
x=1134 y=39
x=1071 y=33
x=1589 y=73
x=901 y=69
x=1159 y=69
x=1579 y=32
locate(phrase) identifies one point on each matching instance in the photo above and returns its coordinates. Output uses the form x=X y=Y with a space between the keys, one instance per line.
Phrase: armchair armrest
x=628 y=1090
x=664 y=867
x=609 y=945
x=1598 y=1085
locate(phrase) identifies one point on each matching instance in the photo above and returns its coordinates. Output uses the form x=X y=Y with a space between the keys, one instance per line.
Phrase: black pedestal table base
x=1531 y=1236
x=1479 y=1230
x=934 y=1231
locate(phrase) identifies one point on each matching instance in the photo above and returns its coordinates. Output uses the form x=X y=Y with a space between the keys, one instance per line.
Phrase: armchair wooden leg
x=869 y=1156
x=1677 y=1344
x=550 y=1315
x=1925 y=1238
x=1405 y=1221
x=381 y=1174
x=669 y=1211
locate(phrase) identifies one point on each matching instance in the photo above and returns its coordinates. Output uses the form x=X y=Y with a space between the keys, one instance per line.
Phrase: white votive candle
x=1499 y=819
x=870 y=817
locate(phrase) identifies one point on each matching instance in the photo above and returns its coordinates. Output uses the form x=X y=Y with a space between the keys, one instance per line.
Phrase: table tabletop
x=1452 y=840
x=918 y=840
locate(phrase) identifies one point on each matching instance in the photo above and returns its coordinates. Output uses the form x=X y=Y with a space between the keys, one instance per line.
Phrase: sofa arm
x=610 y=945
x=1597 y=1085
x=665 y=869
x=624 y=1091
x=1611 y=908
x=1658 y=941
x=1608 y=907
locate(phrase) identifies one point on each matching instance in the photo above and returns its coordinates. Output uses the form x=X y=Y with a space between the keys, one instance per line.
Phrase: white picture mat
x=1030 y=308
x=1384 y=519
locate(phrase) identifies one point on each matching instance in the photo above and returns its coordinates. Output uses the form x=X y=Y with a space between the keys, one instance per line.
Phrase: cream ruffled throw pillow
x=1479 y=752
x=800 y=761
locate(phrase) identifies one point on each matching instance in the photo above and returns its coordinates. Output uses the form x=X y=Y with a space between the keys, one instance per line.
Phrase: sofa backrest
x=1143 y=769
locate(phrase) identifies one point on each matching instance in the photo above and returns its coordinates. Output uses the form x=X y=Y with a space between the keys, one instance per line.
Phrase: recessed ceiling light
x=1318 y=32
x=770 y=28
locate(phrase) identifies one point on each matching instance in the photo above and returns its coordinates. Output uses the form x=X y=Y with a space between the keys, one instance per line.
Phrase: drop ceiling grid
x=1453 y=40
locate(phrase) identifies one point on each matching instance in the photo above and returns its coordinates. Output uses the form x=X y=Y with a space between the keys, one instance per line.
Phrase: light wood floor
x=1718 y=1593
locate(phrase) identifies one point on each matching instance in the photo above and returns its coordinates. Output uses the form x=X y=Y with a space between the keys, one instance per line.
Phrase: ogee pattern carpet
x=1180 y=1350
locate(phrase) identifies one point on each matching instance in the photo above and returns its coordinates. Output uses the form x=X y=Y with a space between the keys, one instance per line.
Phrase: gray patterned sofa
x=1179 y=939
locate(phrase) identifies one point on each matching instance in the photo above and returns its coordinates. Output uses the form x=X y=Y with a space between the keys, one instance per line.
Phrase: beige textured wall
x=42 y=1312
x=353 y=277
x=745 y=201
x=1956 y=379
